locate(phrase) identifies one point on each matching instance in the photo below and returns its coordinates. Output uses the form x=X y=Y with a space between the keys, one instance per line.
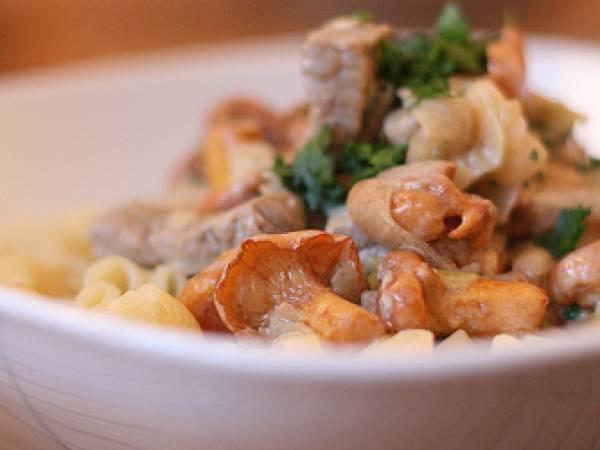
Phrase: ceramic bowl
x=94 y=134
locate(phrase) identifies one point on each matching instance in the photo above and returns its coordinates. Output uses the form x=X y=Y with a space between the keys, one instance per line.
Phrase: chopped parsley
x=424 y=63
x=365 y=159
x=592 y=164
x=362 y=16
x=451 y=24
x=323 y=180
x=571 y=312
x=569 y=227
x=312 y=174
x=534 y=155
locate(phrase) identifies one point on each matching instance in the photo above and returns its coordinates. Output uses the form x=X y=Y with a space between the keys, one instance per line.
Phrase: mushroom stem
x=336 y=319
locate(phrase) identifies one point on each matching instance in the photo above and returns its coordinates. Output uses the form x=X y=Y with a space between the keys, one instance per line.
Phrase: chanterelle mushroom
x=576 y=278
x=412 y=295
x=415 y=205
x=197 y=295
x=239 y=144
x=318 y=274
x=506 y=61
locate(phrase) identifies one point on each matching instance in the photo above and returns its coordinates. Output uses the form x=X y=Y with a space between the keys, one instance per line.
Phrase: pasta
x=406 y=342
x=168 y=278
x=97 y=293
x=504 y=342
x=118 y=286
x=149 y=304
x=48 y=259
x=456 y=339
x=126 y=275
x=20 y=271
x=116 y=270
x=298 y=343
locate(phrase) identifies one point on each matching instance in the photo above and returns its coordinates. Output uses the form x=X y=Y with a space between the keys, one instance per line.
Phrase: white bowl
x=101 y=133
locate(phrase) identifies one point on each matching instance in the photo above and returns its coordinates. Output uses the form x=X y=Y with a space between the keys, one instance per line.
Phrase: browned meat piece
x=126 y=231
x=561 y=187
x=340 y=222
x=150 y=235
x=339 y=68
x=576 y=278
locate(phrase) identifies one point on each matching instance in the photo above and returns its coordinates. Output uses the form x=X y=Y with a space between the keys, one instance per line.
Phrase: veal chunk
x=339 y=66
x=152 y=235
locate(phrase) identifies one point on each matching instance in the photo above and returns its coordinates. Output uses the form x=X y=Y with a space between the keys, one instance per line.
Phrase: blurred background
x=35 y=33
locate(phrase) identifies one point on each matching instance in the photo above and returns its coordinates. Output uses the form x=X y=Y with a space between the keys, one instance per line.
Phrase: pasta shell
x=117 y=270
x=150 y=304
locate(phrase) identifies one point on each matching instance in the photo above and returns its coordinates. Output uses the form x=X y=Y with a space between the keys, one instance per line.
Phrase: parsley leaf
x=534 y=155
x=452 y=25
x=365 y=159
x=592 y=164
x=571 y=312
x=322 y=180
x=424 y=63
x=312 y=174
x=362 y=16
x=568 y=229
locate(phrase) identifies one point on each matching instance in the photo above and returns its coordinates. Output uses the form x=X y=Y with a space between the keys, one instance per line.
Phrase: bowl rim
x=204 y=351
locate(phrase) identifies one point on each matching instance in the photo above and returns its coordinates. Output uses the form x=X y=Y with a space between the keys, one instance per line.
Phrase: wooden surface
x=41 y=32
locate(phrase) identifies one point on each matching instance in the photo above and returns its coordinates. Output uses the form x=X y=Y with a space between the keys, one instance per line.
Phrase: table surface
x=38 y=32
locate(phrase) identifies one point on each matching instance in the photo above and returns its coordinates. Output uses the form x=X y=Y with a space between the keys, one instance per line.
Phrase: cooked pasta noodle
x=298 y=343
x=504 y=342
x=406 y=342
x=48 y=259
x=150 y=304
x=457 y=339
x=96 y=294
x=168 y=278
x=125 y=275
x=19 y=271
x=117 y=270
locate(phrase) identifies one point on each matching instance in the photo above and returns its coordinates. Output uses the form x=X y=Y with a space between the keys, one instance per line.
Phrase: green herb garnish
x=362 y=16
x=591 y=164
x=534 y=155
x=571 y=312
x=424 y=63
x=365 y=159
x=312 y=174
x=323 y=180
x=451 y=24
x=569 y=227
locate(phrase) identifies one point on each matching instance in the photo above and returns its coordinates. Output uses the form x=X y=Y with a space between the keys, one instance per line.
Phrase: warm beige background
x=36 y=32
